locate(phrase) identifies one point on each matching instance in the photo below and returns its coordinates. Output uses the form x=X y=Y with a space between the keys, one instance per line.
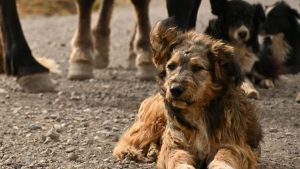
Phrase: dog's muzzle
x=242 y=33
x=177 y=90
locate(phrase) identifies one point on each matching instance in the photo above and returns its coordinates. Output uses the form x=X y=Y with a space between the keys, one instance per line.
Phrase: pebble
x=35 y=127
x=53 y=134
x=273 y=130
x=70 y=149
x=59 y=127
x=3 y=91
x=72 y=156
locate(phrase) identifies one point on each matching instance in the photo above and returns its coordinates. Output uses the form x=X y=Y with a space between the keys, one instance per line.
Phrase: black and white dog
x=238 y=24
x=282 y=37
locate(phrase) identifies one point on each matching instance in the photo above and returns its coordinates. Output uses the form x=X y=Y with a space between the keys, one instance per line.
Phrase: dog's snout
x=242 y=34
x=177 y=90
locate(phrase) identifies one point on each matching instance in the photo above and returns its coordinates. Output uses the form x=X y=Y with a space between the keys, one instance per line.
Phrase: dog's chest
x=280 y=48
x=201 y=144
x=245 y=58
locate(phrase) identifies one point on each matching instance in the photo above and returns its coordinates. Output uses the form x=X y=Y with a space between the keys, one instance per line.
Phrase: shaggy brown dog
x=201 y=115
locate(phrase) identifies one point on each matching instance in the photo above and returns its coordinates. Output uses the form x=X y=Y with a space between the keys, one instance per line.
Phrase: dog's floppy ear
x=163 y=38
x=226 y=69
x=295 y=13
x=217 y=6
x=259 y=13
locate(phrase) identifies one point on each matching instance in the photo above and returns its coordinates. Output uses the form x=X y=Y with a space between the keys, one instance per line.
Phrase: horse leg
x=141 y=41
x=19 y=62
x=81 y=59
x=101 y=34
x=185 y=12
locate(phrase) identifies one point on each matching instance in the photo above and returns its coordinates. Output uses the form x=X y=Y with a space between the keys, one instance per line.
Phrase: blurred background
x=67 y=7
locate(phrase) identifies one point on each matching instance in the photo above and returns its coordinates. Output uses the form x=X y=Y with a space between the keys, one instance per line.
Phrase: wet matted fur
x=201 y=116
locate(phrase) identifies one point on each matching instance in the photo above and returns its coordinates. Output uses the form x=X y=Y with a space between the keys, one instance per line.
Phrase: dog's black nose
x=177 y=90
x=242 y=34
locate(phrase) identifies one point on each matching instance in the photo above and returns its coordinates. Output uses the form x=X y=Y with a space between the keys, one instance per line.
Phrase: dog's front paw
x=184 y=166
x=219 y=165
x=122 y=151
x=267 y=83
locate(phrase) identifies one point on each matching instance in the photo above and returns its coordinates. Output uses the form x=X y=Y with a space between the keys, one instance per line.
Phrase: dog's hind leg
x=142 y=140
x=81 y=59
x=101 y=34
x=141 y=41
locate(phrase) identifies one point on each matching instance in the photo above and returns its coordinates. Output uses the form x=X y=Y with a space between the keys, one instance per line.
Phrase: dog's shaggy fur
x=201 y=116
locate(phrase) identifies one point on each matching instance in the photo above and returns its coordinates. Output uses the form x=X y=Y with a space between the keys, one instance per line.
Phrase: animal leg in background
x=81 y=59
x=185 y=12
x=141 y=41
x=19 y=62
x=101 y=34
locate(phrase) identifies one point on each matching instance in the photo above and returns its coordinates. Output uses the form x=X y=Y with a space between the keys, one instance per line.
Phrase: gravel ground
x=78 y=126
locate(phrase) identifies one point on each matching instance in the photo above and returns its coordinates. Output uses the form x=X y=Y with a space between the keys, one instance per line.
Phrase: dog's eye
x=171 y=66
x=196 y=68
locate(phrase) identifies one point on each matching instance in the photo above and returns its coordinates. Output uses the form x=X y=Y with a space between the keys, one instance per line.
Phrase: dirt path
x=89 y=116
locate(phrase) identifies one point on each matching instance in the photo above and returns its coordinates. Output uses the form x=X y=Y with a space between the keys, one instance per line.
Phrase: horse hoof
x=36 y=83
x=80 y=71
x=146 y=72
x=101 y=61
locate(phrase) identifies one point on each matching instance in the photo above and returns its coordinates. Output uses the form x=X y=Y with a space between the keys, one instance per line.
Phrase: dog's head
x=280 y=18
x=239 y=19
x=192 y=66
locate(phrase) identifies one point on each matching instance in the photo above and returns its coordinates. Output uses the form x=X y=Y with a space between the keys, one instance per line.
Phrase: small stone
x=273 y=130
x=35 y=127
x=70 y=149
x=3 y=91
x=43 y=138
x=69 y=142
x=53 y=134
x=72 y=157
x=59 y=127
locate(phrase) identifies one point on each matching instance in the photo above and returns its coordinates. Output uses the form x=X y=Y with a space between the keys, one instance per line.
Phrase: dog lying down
x=201 y=117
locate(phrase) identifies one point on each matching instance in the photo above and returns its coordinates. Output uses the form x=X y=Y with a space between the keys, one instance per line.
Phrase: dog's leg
x=249 y=89
x=81 y=59
x=141 y=42
x=267 y=83
x=102 y=35
x=140 y=139
x=234 y=158
x=174 y=159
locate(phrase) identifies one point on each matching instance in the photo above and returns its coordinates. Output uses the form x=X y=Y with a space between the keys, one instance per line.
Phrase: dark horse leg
x=140 y=48
x=19 y=62
x=101 y=34
x=185 y=12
